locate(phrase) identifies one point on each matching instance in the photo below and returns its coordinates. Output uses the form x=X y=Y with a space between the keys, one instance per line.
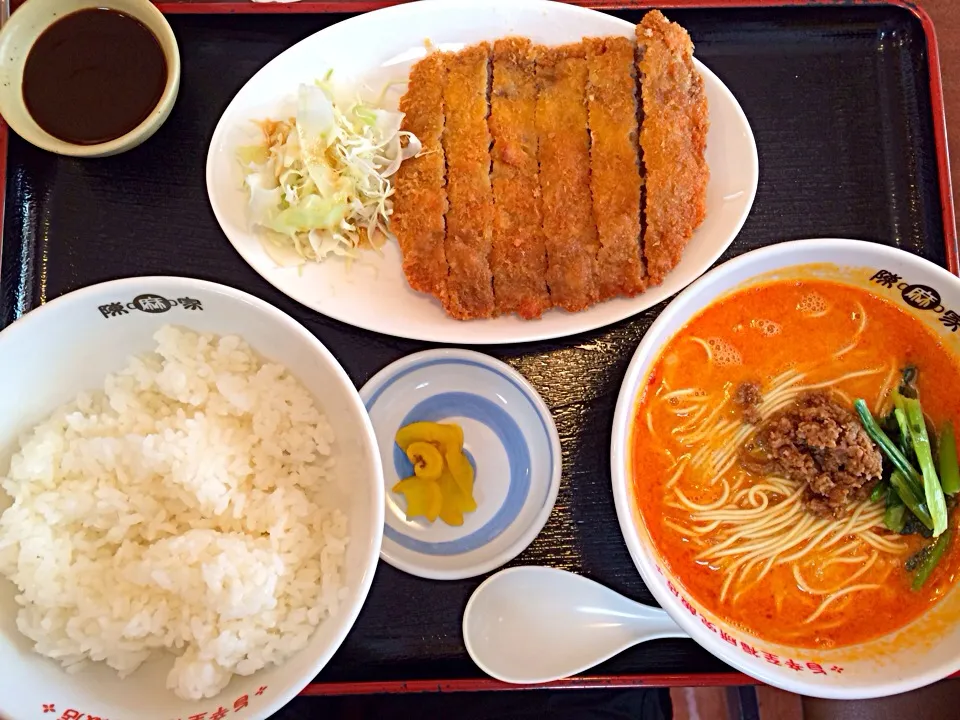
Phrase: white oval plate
x=369 y=51
x=509 y=437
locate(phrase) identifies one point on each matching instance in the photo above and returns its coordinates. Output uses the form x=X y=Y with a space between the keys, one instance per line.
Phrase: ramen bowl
x=70 y=345
x=914 y=654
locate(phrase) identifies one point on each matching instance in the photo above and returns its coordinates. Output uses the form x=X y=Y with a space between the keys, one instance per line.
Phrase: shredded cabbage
x=319 y=183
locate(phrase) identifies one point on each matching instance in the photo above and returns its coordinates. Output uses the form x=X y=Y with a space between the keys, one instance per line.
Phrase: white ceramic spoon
x=536 y=624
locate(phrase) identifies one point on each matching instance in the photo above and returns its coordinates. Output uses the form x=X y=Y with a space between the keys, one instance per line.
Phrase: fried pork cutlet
x=569 y=231
x=673 y=140
x=420 y=198
x=615 y=170
x=466 y=146
x=518 y=259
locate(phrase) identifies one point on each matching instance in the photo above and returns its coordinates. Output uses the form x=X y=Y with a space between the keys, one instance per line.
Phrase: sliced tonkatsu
x=614 y=164
x=552 y=176
x=420 y=198
x=518 y=258
x=569 y=229
x=673 y=141
x=466 y=147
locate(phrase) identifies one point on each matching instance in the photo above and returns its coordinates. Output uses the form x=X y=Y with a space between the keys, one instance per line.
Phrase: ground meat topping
x=822 y=444
x=748 y=396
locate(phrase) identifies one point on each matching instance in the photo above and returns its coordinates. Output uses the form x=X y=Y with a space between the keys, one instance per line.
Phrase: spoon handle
x=653 y=623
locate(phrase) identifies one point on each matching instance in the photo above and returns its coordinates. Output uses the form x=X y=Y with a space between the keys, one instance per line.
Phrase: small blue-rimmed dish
x=509 y=437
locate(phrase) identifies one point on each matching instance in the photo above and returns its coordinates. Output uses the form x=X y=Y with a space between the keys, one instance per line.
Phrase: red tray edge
x=355 y=6
x=579 y=682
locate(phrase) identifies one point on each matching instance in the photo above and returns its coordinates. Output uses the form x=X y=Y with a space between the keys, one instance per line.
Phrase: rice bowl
x=245 y=530
x=188 y=490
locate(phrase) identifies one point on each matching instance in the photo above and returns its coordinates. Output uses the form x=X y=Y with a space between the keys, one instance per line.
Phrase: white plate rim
x=468 y=570
x=469 y=333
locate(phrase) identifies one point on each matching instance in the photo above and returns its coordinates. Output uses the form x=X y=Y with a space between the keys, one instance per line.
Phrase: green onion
x=931 y=559
x=910 y=498
x=879 y=491
x=906 y=481
x=949 y=467
x=931 y=483
x=893 y=517
x=901 y=417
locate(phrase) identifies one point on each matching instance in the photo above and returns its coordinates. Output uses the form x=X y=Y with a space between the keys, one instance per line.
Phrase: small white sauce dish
x=16 y=40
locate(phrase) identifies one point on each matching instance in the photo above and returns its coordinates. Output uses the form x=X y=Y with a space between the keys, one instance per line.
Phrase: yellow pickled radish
x=461 y=469
x=426 y=458
x=442 y=483
x=467 y=503
x=451 y=511
x=423 y=497
x=446 y=435
x=455 y=432
x=464 y=500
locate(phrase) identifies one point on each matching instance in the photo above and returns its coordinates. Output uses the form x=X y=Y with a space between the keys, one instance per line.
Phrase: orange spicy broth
x=774 y=328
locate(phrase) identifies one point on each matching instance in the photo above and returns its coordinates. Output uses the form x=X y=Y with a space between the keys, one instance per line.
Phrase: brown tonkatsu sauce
x=93 y=76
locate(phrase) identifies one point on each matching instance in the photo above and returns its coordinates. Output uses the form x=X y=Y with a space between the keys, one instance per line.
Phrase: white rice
x=179 y=508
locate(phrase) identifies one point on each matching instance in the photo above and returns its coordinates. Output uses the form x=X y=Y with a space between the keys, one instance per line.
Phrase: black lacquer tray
x=846 y=107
